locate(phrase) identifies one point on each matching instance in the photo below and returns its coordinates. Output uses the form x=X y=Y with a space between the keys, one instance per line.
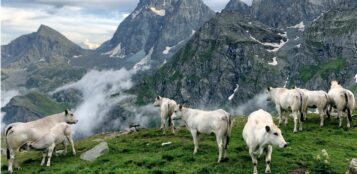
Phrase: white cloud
x=78 y=20
x=69 y=21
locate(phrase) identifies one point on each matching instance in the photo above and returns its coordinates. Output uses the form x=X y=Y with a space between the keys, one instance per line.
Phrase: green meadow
x=142 y=152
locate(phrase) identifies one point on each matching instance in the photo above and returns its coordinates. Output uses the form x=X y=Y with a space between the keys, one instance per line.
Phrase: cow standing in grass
x=57 y=135
x=343 y=100
x=293 y=100
x=19 y=134
x=319 y=100
x=167 y=108
x=260 y=133
x=199 y=121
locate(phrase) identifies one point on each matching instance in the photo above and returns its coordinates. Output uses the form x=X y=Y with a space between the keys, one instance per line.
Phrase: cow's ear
x=268 y=88
x=267 y=128
x=158 y=97
x=180 y=107
x=66 y=112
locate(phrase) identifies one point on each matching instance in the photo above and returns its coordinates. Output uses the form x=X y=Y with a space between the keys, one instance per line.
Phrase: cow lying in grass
x=57 y=135
x=343 y=100
x=167 y=108
x=319 y=100
x=18 y=134
x=293 y=100
x=260 y=133
x=199 y=121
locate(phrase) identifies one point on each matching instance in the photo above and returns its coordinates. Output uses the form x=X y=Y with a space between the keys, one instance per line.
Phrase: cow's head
x=335 y=84
x=69 y=117
x=269 y=93
x=178 y=112
x=274 y=136
x=157 y=101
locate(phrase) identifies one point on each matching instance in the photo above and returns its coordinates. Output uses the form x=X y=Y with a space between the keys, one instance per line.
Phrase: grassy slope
x=142 y=152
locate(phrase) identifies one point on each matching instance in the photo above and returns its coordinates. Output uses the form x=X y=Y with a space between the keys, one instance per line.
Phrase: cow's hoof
x=295 y=131
x=267 y=171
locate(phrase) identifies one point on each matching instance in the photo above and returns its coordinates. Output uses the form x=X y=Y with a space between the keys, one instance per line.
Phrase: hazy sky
x=83 y=21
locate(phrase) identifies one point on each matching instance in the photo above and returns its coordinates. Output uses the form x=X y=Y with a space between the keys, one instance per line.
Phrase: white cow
x=57 y=135
x=19 y=134
x=343 y=100
x=319 y=100
x=260 y=133
x=167 y=108
x=199 y=121
x=293 y=100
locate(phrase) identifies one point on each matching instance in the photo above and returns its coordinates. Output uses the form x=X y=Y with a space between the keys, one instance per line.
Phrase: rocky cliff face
x=282 y=13
x=228 y=50
x=151 y=34
x=232 y=49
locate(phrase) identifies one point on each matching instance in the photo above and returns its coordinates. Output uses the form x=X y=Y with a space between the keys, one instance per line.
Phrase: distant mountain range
x=187 y=52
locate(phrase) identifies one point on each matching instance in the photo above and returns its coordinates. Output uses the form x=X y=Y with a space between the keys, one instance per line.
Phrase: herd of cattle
x=259 y=132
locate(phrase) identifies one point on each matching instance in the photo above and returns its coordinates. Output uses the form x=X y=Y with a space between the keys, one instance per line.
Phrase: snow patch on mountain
x=167 y=50
x=276 y=46
x=144 y=64
x=235 y=90
x=158 y=12
x=300 y=26
x=116 y=52
x=274 y=63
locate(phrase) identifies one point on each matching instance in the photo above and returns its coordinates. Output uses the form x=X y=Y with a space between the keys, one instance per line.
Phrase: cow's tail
x=327 y=106
x=229 y=129
x=347 y=108
x=170 y=114
x=8 y=130
x=301 y=107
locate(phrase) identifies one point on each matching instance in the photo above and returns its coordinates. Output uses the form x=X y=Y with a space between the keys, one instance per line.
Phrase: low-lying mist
x=103 y=91
x=6 y=96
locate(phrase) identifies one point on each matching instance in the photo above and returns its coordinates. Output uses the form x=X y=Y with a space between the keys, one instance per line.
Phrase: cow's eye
x=175 y=111
x=276 y=134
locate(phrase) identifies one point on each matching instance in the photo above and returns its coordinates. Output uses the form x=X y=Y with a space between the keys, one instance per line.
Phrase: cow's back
x=256 y=121
x=30 y=131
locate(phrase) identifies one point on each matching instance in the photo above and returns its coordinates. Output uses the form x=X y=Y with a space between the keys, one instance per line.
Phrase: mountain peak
x=45 y=29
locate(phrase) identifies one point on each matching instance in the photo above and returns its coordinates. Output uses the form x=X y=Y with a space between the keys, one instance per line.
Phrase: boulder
x=95 y=152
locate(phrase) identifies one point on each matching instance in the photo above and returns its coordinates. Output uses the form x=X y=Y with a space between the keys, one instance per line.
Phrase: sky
x=85 y=22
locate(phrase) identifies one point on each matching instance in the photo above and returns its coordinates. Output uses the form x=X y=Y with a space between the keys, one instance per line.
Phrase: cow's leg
x=225 y=146
x=65 y=143
x=219 y=139
x=172 y=125
x=301 y=122
x=348 y=118
x=50 y=151
x=295 y=115
x=11 y=160
x=195 y=140
x=286 y=117
x=70 y=140
x=16 y=164
x=254 y=161
x=269 y=150
x=322 y=116
x=340 y=116
x=44 y=154
x=163 y=122
x=278 y=109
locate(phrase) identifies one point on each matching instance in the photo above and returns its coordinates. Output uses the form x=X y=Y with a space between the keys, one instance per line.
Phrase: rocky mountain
x=151 y=34
x=234 y=49
x=282 y=13
x=46 y=46
x=40 y=60
x=227 y=51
